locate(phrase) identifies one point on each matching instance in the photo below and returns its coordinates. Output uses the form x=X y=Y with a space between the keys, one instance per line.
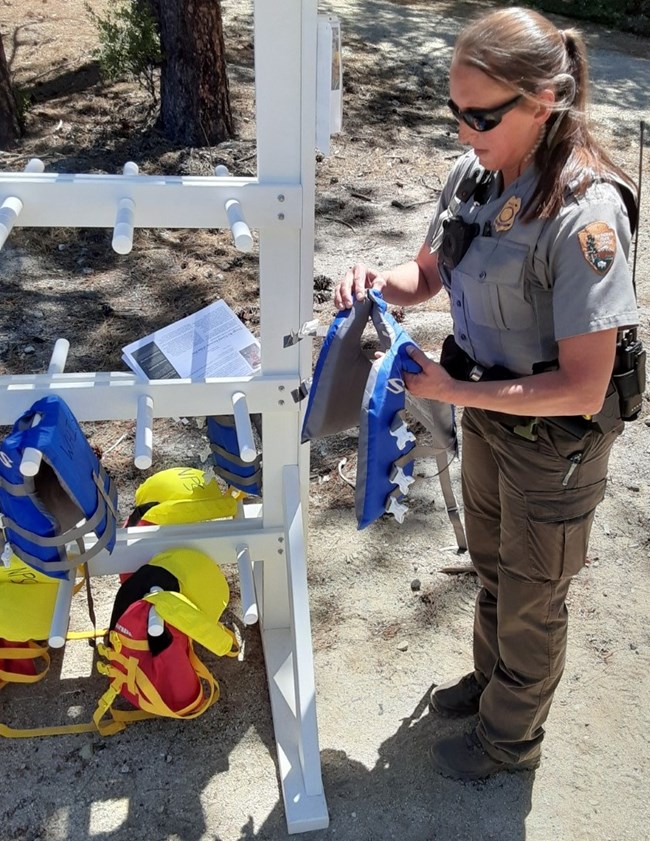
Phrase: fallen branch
x=402 y=206
x=340 y=221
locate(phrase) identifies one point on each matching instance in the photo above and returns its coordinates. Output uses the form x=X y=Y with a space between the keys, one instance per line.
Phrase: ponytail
x=570 y=158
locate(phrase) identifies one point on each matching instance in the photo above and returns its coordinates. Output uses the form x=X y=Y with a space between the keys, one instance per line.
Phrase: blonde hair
x=525 y=51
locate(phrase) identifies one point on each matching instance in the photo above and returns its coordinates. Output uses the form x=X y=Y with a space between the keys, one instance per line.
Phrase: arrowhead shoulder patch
x=598 y=246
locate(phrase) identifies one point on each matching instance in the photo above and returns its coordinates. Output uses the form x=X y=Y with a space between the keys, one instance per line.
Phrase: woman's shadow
x=403 y=798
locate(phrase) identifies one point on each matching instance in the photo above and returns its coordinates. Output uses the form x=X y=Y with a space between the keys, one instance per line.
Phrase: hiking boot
x=457 y=697
x=463 y=757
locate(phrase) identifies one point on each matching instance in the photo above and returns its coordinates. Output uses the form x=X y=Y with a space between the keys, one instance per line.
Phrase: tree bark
x=194 y=93
x=10 y=129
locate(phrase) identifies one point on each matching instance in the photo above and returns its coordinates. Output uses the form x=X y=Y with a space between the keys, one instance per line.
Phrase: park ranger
x=530 y=240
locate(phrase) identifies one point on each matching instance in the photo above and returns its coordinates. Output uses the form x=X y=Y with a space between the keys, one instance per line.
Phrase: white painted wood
x=269 y=541
x=304 y=686
x=155 y=624
x=30 y=463
x=241 y=233
x=113 y=395
x=303 y=812
x=56 y=200
x=10 y=210
x=124 y=224
x=136 y=545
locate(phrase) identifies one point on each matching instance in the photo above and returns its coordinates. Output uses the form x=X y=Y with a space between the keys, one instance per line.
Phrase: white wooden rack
x=269 y=546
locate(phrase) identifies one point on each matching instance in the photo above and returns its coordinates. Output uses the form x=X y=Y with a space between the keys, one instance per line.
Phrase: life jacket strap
x=443 y=461
x=14 y=490
x=33 y=651
x=57 y=730
x=72 y=535
x=142 y=688
x=233 y=457
x=237 y=479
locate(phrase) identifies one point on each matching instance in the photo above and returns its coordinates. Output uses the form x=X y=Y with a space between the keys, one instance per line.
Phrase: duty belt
x=526 y=427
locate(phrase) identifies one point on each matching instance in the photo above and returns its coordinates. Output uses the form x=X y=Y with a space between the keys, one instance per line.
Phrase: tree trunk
x=9 y=119
x=194 y=93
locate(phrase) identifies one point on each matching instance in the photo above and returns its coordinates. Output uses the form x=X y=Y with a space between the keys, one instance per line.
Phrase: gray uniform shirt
x=522 y=286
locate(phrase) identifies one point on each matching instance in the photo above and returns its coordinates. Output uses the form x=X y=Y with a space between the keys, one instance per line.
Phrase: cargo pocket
x=558 y=529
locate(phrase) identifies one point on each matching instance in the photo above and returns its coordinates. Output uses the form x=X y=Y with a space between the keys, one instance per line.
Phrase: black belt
x=526 y=426
x=461 y=366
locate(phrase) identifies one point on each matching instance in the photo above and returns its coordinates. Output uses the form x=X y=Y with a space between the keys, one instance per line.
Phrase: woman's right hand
x=354 y=285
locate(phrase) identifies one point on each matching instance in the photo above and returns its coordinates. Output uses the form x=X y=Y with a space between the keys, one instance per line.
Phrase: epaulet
x=629 y=196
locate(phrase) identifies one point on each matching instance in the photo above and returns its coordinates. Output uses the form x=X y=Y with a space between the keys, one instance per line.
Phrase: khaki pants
x=527 y=530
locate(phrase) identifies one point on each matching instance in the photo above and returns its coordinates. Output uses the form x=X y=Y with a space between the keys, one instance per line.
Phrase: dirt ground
x=387 y=623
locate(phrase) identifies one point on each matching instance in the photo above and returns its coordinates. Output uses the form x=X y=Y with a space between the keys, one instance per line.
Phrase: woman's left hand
x=433 y=382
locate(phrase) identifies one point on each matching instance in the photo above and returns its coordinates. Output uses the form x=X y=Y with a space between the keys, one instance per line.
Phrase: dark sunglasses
x=483 y=119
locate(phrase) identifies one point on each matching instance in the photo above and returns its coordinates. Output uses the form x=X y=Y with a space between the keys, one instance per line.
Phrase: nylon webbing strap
x=443 y=463
x=58 y=730
x=33 y=651
x=14 y=490
x=450 y=500
x=66 y=537
x=110 y=496
x=232 y=457
x=59 y=541
x=235 y=478
x=148 y=696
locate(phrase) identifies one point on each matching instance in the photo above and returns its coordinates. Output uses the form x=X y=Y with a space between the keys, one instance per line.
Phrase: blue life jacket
x=384 y=437
x=42 y=513
x=349 y=390
x=244 y=475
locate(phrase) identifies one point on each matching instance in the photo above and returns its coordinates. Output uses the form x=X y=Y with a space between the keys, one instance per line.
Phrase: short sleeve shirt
x=523 y=286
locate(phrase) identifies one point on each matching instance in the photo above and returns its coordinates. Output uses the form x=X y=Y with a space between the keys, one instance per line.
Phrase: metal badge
x=507 y=215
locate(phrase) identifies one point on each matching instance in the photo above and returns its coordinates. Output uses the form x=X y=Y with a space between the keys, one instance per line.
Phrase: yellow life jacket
x=27 y=598
x=181 y=495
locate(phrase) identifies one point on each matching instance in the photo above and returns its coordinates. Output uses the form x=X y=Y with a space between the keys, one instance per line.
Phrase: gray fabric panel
x=362 y=449
x=337 y=401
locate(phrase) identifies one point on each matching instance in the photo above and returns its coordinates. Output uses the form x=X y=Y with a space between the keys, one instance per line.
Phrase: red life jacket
x=159 y=675
x=18 y=662
x=154 y=671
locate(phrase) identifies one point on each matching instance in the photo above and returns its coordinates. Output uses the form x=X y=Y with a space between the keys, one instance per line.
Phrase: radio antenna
x=638 y=221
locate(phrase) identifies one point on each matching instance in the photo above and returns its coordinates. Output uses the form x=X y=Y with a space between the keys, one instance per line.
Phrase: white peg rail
x=247 y=448
x=267 y=544
x=12 y=206
x=241 y=233
x=247 y=586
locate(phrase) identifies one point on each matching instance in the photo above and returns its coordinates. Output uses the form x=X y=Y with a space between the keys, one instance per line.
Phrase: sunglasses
x=483 y=119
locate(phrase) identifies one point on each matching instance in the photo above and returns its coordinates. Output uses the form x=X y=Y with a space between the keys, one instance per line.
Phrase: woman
x=530 y=240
